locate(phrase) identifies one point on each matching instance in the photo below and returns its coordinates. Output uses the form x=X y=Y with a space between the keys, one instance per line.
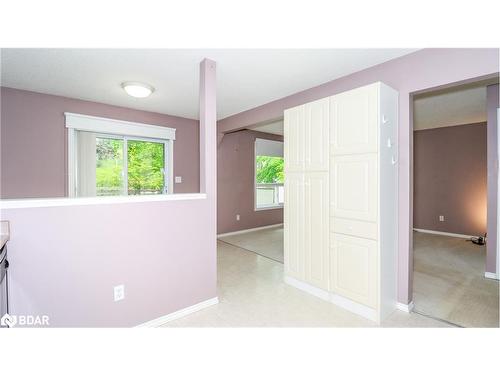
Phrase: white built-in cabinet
x=341 y=199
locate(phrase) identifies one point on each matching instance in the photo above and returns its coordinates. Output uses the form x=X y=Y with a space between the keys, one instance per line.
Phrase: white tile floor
x=252 y=294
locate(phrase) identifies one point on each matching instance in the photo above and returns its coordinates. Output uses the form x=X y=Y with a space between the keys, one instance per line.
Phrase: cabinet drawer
x=356 y=228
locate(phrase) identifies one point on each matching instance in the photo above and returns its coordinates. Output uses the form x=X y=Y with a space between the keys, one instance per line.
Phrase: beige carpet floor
x=265 y=242
x=449 y=282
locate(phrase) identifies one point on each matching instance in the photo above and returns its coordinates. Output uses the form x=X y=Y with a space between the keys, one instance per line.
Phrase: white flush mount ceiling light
x=138 y=89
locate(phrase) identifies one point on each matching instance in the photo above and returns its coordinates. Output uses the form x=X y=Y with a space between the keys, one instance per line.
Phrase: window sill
x=268 y=208
x=58 y=202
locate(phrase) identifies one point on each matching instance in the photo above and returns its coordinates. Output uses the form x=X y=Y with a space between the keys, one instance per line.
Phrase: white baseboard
x=443 y=233
x=249 y=230
x=179 y=313
x=405 y=307
x=340 y=301
x=354 y=307
x=491 y=275
x=315 y=291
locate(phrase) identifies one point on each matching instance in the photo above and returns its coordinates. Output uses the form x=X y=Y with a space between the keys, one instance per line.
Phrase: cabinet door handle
x=394 y=160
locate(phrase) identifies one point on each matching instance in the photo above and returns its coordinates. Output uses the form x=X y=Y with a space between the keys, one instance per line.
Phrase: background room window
x=110 y=157
x=269 y=175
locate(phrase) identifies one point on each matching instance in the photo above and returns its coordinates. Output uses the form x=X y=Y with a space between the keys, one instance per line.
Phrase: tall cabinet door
x=354 y=120
x=294 y=131
x=294 y=235
x=316 y=229
x=317 y=129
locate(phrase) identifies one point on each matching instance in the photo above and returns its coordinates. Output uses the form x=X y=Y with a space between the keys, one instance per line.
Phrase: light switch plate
x=178 y=179
x=441 y=218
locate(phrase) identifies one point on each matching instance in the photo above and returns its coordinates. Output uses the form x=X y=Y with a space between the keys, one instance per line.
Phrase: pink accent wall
x=450 y=173
x=65 y=261
x=236 y=183
x=493 y=102
x=419 y=71
x=34 y=142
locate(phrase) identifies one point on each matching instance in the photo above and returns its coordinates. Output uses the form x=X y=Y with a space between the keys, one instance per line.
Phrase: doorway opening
x=452 y=148
x=251 y=185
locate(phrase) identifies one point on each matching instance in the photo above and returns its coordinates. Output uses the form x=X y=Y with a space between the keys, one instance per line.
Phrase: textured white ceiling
x=246 y=78
x=452 y=107
x=273 y=128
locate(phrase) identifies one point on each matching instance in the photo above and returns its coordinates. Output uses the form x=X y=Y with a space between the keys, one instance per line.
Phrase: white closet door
x=316 y=135
x=354 y=269
x=294 y=225
x=354 y=188
x=354 y=121
x=294 y=139
x=316 y=229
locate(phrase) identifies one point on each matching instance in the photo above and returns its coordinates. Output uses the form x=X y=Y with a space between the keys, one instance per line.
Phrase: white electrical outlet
x=238 y=217
x=178 y=179
x=441 y=218
x=119 y=292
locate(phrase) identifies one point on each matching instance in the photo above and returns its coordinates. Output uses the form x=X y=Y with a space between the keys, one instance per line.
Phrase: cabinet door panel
x=316 y=135
x=294 y=139
x=294 y=244
x=353 y=271
x=354 y=121
x=354 y=189
x=317 y=229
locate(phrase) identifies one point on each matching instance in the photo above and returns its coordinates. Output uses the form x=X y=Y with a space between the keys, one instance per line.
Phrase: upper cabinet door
x=317 y=131
x=354 y=187
x=354 y=121
x=294 y=133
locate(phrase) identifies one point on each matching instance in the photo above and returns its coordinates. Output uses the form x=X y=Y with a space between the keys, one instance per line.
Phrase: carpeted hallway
x=449 y=281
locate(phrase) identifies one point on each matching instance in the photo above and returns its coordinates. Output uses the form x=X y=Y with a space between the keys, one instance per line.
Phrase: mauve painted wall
x=493 y=103
x=236 y=183
x=34 y=142
x=450 y=173
x=65 y=261
x=416 y=72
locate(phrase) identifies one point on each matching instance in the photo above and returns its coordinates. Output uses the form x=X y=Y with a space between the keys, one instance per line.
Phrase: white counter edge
x=58 y=202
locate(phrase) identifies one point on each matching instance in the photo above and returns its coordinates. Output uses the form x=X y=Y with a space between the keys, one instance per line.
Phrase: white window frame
x=104 y=127
x=261 y=208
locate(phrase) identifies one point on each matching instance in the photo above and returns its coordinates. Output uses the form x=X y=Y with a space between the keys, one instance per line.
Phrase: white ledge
x=58 y=202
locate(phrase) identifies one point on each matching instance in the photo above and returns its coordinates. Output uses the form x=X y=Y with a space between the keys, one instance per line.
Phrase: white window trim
x=110 y=126
x=255 y=207
x=132 y=130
